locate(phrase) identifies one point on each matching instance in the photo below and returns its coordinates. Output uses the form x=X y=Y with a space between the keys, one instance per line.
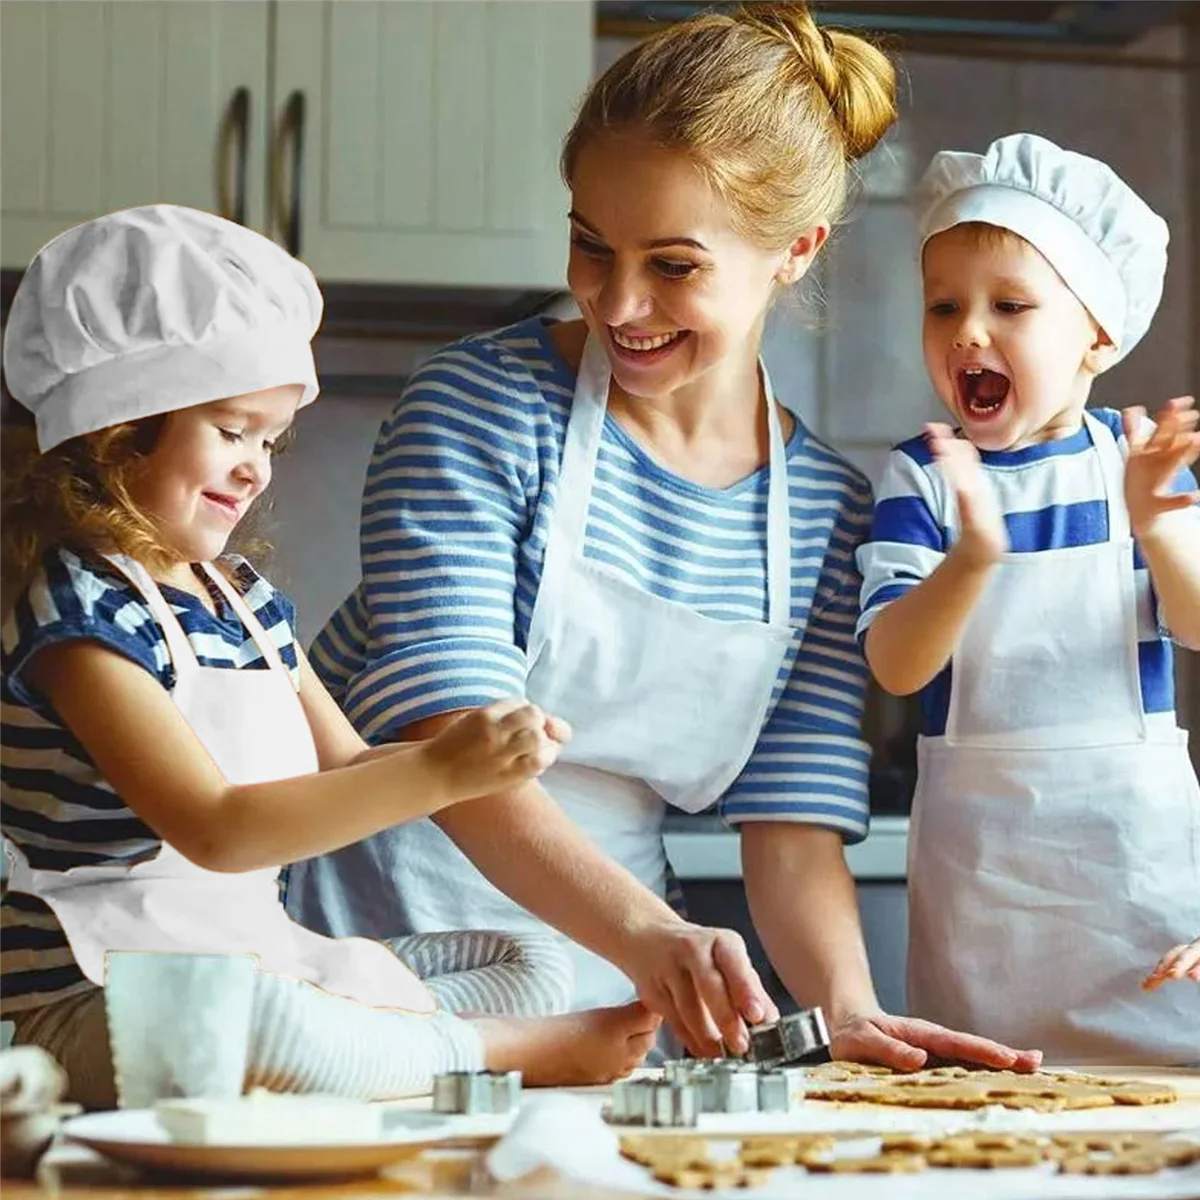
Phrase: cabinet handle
x=235 y=125
x=291 y=134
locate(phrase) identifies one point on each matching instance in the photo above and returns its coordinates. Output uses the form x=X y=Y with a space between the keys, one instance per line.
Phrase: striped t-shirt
x=1052 y=495
x=458 y=497
x=54 y=804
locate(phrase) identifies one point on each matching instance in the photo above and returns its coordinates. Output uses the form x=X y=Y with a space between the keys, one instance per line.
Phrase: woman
x=614 y=517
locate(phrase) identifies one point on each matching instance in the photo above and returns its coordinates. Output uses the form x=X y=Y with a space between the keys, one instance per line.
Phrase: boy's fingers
x=1131 y=423
x=1186 y=961
x=1176 y=501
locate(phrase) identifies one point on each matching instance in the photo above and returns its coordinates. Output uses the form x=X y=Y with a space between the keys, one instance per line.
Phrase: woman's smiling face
x=661 y=277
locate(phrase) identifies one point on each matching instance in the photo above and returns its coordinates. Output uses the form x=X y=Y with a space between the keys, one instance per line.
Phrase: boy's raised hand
x=1155 y=458
x=983 y=536
x=1183 y=962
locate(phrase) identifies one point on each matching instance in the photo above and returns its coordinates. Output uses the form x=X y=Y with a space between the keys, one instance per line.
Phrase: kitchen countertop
x=73 y=1173
x=704 y=847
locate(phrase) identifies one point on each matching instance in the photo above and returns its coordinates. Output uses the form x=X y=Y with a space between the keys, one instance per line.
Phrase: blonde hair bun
x=770 y=108
x=858 y=79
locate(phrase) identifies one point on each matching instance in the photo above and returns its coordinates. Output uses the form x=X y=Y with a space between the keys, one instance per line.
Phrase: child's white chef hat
x=1108 y=245
x=153 y=309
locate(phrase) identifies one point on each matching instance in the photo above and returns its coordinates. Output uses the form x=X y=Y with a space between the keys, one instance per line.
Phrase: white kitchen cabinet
x=420 y=139
x=106 y=105
x=408 y=141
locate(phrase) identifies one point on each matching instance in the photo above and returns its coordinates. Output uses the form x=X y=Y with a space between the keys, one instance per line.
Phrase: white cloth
x=666 y=706
x=252 y=724
x=1054 y=849
x=153 y=309
x=1108 y=245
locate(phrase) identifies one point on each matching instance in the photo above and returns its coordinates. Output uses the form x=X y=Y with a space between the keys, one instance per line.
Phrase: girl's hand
x=494 y=749
x=982 y=537
x=1183 y=962
x=1154 y=461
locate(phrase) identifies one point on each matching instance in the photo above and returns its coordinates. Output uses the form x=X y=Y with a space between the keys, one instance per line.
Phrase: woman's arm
x=699 y=979
x=141 y=744
x=805 y=909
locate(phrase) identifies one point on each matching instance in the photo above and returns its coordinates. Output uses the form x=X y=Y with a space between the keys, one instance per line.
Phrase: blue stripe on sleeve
x=907 y=519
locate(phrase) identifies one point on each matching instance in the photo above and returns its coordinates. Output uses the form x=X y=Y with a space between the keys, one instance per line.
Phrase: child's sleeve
x=908 y=534
x=70 y=600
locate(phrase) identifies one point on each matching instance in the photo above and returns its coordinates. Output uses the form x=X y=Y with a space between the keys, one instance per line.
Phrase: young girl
x=166 y=746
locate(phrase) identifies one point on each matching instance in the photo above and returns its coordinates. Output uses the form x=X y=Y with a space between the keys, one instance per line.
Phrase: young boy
x=1026 y=574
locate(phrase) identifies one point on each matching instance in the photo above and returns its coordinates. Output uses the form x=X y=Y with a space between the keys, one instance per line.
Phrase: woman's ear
x=800 y=254
x=1101 y=354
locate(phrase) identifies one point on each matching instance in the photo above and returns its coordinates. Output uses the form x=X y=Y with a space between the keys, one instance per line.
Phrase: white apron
x=666 y=705
x=252 y=724
x=1054 y=850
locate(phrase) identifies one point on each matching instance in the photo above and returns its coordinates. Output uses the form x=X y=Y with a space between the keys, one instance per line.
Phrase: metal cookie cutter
x=653 y=1102
x=685 y=1070
x=474 y=1092
x=675 y=1105
x=776 y=1087
x=729 y=1089
x=800 y=1037
x=627 y=1102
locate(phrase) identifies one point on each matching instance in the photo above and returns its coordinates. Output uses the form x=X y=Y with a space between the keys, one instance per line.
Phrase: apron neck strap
x=183 y=657
x=1112 y=468
x=258 y=634
x=779 y=517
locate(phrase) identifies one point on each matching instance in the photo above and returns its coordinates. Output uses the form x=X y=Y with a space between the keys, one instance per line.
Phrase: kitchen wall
x=844 y=352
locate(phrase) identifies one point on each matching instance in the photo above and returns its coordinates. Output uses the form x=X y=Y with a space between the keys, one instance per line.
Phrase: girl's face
x=209 y=464
x=661 y=277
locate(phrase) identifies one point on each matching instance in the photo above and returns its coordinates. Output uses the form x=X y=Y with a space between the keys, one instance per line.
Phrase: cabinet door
x=418 y=142
x=111 y=105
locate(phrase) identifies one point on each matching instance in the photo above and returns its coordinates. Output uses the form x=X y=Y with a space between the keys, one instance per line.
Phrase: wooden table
x=74 y=1173
x=448 y=1177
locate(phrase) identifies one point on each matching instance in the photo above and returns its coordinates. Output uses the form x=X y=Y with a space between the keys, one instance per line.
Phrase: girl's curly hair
x=76 y=495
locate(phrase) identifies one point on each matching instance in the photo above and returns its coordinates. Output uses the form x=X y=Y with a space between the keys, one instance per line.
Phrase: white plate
x=134 y=1136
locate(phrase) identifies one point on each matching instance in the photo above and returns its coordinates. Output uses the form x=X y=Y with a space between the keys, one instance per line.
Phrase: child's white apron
x=1054 y=850
x=252 y=724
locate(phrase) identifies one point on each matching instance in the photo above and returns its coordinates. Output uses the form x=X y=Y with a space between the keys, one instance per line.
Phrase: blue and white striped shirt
x=1052 y=495
x=54 y=804
x=454 y=523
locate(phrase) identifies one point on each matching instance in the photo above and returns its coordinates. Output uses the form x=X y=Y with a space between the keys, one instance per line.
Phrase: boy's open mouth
x=981 y=391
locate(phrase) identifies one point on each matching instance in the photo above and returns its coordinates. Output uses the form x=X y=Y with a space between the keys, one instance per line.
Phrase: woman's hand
x=701 y=982
x=493 y=749
x=906 y=1043
x=1182 y=962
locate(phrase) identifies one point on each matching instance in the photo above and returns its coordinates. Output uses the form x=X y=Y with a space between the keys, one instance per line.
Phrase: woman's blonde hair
x=770 y=107
x=78 y=495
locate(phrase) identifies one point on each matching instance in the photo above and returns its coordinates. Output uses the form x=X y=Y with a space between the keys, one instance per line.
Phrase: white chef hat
x=153 y=309
x=1108 y=245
